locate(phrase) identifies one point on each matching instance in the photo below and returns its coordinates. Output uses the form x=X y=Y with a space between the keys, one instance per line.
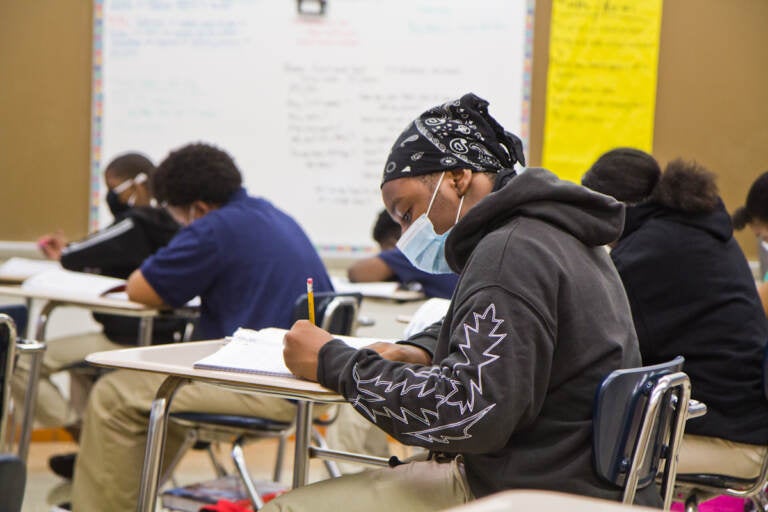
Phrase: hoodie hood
x=594 y=219
x=716 y=223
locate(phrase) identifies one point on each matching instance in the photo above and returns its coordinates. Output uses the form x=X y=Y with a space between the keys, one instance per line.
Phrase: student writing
x=247 y=261
x=504 y=389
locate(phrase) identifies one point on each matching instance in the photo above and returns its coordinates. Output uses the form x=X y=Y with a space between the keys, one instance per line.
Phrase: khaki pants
x=415 y=487
x=702 y=454
x=52 y=409
x=113 y=439
x=351 y=432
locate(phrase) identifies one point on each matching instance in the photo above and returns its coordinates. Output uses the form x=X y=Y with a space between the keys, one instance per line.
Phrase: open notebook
x=75 y=284
x=261 y=352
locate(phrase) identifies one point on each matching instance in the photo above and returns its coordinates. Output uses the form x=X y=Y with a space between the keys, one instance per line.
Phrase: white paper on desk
x=73 y=284
x=18 y=269
x=428 y=313
x=261 y=352
x=385 y=289
x=123 y=295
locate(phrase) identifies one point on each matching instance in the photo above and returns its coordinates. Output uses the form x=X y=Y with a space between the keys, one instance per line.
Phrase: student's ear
x=201 y=208
x=460 y=180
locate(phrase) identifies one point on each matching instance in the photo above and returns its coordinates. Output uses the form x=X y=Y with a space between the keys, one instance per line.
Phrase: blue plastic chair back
x=19 y=315
x=620 y=408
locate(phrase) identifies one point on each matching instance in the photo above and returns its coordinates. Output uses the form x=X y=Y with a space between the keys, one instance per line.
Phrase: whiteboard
x=308 y=106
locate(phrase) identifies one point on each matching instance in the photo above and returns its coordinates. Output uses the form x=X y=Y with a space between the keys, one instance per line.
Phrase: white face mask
x=422 y=246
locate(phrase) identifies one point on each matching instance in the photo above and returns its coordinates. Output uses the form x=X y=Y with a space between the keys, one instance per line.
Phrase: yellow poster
x=601 y=83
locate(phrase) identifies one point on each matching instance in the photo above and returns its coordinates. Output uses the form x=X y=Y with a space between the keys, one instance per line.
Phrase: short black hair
x=757 y=204
x=129 y=165
x=627 y=174
x=385 y=228
x=196 y=172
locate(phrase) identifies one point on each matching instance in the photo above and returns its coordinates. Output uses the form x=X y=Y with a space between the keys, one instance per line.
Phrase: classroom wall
x=712 y=103
x=712 y=92
x=45 y=59
x=712 y=97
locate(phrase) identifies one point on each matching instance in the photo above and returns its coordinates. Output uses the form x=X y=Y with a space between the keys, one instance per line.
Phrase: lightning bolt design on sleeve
x=439 y=401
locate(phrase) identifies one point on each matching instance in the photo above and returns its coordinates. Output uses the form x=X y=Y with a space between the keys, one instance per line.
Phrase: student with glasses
x=138 y=231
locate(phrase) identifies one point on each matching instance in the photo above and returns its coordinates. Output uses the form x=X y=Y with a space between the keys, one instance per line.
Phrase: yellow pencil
x=311 y=300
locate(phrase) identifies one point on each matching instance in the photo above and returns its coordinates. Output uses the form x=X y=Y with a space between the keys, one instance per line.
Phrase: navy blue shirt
x=434 y=285
x=248 y=262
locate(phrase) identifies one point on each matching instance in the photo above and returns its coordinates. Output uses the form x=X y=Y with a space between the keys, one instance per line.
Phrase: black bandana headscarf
x=460 y=134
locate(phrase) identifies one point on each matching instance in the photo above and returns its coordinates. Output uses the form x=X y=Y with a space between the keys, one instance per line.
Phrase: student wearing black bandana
x=138 y=231
x=501 y=391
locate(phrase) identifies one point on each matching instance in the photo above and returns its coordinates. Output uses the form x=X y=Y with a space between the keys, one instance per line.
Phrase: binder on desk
x=261 y=352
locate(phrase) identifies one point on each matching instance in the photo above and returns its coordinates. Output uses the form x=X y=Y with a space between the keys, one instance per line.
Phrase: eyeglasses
x=136 y=180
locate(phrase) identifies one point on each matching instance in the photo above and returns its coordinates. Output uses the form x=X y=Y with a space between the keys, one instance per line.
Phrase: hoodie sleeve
x=491 y=382
x=123 y=244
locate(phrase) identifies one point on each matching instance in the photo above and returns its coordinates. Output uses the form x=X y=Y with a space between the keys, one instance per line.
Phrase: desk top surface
x=177 y=359
x=105 y=303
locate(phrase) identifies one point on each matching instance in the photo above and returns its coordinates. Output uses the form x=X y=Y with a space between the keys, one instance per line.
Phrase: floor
x=45 y=489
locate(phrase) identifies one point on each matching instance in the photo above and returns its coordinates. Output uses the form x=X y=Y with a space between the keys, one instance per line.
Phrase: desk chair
x=695 y=488
x=12 y=470
x=7 y=360
x=20 y=316
x=336 y=313
x=639 y=421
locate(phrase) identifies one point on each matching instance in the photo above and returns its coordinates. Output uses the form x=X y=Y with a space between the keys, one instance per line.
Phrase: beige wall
x=712 y=97
x=712 y=103
x=45 y=59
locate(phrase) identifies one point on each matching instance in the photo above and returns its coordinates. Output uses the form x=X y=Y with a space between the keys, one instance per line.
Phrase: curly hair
x=687 y=186
x=757 y=204
x=627 y=174
x=196 y=172
x=128 y=165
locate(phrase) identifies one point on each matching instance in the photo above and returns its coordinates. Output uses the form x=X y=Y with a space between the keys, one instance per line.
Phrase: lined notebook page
x=261 y=352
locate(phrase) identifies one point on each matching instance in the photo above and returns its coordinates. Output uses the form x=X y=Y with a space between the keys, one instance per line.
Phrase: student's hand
x=52 y=245
x=402 y=353
x=301 y=347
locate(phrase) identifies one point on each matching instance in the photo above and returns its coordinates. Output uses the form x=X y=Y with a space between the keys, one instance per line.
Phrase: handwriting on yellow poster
x=601 y=83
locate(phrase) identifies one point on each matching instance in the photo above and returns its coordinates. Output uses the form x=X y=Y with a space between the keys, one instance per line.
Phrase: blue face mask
x=422 y=246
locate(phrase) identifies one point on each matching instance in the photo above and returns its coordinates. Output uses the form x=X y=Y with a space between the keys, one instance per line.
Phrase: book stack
x=191 y=498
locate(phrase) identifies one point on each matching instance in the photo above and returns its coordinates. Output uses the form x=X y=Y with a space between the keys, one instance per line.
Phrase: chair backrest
x=13 y=478
x=7 y=354
x=334 y=312
x=19 y=314
x=637 y=422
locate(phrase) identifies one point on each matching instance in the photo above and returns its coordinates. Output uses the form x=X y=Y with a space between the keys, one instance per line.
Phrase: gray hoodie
x=538 y=319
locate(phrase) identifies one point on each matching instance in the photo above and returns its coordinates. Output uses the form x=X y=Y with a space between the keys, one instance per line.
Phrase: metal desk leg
x=301 y=454
x=153 y=456
x=145 y=331
x=30 y=398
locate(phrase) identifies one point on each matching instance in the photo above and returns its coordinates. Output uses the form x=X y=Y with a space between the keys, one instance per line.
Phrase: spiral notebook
x=261 y=352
